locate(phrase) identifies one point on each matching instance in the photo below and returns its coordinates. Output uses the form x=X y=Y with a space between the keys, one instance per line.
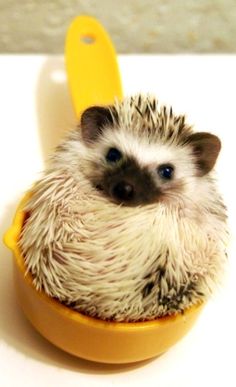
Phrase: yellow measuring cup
x=94 y=79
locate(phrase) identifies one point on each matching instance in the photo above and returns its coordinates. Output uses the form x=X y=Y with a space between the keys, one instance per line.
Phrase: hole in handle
x=87 y=39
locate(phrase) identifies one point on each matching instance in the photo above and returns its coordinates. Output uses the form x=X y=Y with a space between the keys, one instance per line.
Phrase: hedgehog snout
x=129 y=184
x=123 y=191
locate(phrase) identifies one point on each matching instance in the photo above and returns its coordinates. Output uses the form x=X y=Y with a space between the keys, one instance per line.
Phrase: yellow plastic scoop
x=94 y=79
x=92 y=68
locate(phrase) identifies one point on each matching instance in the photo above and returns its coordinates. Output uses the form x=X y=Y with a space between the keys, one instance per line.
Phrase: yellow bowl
x=86 y=337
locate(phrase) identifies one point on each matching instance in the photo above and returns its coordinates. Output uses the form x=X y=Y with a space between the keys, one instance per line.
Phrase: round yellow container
x=94 y=79
x=86 y=337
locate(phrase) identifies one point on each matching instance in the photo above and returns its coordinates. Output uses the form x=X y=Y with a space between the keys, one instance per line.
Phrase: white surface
x=35 y=104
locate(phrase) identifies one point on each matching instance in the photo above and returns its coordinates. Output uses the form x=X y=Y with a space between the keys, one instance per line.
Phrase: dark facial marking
x=129 y=184
x=93 y=121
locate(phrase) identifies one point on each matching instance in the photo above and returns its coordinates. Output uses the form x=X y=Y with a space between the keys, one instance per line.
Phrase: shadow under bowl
x=87 y=337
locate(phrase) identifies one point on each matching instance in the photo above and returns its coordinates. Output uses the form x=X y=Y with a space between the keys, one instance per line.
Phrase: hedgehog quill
x=126 y=223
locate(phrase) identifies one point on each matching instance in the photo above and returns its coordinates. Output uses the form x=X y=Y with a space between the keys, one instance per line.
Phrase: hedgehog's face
x=133 y=163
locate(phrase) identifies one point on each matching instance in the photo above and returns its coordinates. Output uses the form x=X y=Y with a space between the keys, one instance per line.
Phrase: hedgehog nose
x=123 y=191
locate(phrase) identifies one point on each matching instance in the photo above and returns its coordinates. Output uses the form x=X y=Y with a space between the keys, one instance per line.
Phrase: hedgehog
x=126 y=222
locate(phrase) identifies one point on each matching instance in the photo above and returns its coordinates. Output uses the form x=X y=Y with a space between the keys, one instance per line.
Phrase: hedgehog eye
x=166 y=171
x=113 y=155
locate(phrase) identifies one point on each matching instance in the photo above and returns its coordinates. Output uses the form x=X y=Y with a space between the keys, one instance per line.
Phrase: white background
x=34 y=109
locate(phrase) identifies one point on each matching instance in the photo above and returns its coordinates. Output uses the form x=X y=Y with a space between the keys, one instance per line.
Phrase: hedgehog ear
x=206 y=148
x=93 y=121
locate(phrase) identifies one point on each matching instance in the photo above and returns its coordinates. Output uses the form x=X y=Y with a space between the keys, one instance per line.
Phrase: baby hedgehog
x=126 y=223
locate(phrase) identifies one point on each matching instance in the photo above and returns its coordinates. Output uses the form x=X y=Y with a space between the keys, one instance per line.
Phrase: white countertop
x=34 y=105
